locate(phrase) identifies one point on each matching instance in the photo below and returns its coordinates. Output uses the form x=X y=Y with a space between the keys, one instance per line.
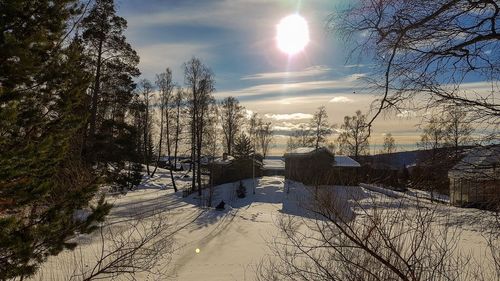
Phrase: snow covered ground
x=232 y=242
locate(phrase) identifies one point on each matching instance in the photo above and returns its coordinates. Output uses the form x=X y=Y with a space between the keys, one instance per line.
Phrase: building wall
x=317 y=169
x=474 y=193
x=237 y=170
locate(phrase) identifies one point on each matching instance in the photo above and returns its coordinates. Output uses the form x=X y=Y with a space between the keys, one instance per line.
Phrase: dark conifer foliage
x=110 y=139
x=243 y=147
x=113 y=64
x=43 y=180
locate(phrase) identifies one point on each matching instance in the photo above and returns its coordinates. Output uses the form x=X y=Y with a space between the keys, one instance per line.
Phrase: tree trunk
x=177 y=133
x=193 y=148
x=168 y=152
x=95 y=96
x=198 y=152
x=160 y=142
x=146 y=143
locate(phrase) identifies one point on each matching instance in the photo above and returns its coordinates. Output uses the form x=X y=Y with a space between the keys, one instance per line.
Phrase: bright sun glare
x=292 y=34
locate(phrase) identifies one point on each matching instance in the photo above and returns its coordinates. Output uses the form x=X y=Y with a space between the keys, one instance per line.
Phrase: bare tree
x=166 y=87
x=200 y=82
x=299 y=138
x=433 y=139
x=346 y=239
x=252 y=128
x=389 y=144
x=434 y=135
x=146 y=92
x=353 y=139
x=137 y=246
x=179 y=104
x=427 y=51
x=264 y=136
x=320 y=127
x=231 y=116
x=260 y=134
x=458 y=128
x=212 y=144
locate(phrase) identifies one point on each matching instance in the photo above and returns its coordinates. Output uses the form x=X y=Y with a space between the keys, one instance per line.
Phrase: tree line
x=451 y=129
x=74 y=118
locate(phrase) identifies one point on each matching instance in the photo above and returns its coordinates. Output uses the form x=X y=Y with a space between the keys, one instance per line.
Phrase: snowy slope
x=231 y=242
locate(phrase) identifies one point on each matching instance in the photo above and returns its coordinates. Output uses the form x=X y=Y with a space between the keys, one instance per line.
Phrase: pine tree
x=243 y=148
x=43 y=180
x=113 y=63
x=110 y=140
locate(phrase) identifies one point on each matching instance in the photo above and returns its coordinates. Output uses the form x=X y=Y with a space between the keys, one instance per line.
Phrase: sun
x=292 y=34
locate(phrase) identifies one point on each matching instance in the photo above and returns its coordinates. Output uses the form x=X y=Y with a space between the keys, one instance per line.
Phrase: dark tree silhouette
x=232 y=117
x=353 y=138
x=43 y=180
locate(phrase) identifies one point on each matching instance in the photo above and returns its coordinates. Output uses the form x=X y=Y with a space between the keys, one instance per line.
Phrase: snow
x=345 y=161
x=479 y=163
x=232 y=242
x=223 y=161
x=274 y=163
x=409 y=194
x=301 y=150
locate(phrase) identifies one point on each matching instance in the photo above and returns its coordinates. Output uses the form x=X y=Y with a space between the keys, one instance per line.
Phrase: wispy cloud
x=350 y=82
x=354 y=65
x=313 y=71
x=232 y=14
x=341 y=99
x=291 y=116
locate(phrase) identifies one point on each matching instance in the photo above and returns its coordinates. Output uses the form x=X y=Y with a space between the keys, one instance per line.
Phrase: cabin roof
x=307 y=151
x=345 y=161
x=480 y=162
x=339 y=160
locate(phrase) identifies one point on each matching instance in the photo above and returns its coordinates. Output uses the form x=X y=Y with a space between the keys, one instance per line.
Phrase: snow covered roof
x=479 y=163
x=339 y=160
x=345 y=161
x=224 y=162
x=274 y=164
x=304 y=151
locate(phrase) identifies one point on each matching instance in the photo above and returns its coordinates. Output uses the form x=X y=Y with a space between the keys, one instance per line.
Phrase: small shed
x=320 y=166
x=230 y=169
x=475 y=180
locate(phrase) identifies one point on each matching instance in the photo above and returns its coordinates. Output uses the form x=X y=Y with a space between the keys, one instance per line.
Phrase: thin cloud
x=225 y=14
x=341 y=99
x=312 y=71
x=347 y=82
x=291 y=116
x=354 y=65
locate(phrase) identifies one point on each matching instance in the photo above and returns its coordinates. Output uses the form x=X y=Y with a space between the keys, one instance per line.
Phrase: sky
x=237 y=39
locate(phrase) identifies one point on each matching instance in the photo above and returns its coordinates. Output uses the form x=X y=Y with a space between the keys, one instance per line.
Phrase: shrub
x=241 y=192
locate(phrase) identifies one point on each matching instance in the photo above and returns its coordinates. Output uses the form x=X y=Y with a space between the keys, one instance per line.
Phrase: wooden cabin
x=320 y=166
x=229 y=169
